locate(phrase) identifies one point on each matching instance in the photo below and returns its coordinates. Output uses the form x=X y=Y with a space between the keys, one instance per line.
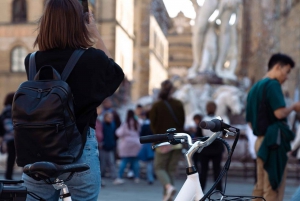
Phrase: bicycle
x=46 y=171
x=191 y=189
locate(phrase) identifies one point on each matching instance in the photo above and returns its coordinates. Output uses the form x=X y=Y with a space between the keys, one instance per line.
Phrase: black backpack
x=43 y=117
x=263 y=119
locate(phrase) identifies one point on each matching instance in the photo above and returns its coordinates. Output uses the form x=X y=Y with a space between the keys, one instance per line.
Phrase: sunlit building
x=134 y=31
x=17 y=33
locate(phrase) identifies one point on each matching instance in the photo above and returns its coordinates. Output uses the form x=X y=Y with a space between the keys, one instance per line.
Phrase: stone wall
x=270 y=26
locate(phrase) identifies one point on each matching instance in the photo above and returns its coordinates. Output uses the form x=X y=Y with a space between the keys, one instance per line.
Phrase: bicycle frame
x=191 y=189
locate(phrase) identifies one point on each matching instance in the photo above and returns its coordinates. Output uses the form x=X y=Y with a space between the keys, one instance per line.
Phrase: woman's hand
x=95 y=35
x=92 y=27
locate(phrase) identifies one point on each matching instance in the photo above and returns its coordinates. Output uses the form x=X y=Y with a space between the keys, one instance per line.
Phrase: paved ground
x=145 y=192
x=130 y=191
x=237 y=184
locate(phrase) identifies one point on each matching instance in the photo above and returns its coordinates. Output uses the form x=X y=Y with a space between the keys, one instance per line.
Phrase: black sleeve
x=113 y=76
x=2 y=130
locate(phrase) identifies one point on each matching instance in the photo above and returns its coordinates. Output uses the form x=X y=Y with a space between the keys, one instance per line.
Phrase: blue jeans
x=83 y=186
x=296 y=195
x=134 y=164
x=149 y=166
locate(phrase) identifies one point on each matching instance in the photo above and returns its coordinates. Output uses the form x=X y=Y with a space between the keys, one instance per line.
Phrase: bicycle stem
x=198 y=147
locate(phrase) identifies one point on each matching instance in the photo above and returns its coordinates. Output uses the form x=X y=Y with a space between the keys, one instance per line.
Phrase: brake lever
x=172 y=142
x=160 y=144
x=229 y=132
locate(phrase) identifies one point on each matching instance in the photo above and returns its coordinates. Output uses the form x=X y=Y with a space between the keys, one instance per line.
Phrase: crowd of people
x=121 y=153
x=93 y=76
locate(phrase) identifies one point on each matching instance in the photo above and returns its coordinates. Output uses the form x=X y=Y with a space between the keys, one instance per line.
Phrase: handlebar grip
x=207 y=125
x=154 y=138
x=215 y=125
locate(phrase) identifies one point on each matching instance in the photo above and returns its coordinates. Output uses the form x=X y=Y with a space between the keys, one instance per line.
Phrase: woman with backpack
x=63 y=28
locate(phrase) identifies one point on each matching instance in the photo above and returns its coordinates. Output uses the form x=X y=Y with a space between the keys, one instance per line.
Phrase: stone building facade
x=129 y=28
x=151 y=50
x=180 y=46
x=17 y=34
x=271 y=26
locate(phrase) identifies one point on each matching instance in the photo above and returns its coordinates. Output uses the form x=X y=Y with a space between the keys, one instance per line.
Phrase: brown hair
x=211 y=108
x=62 y=25
x=130 y=117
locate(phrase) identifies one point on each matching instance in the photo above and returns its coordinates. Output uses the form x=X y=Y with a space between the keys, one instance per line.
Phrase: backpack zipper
x=68 y=108
x=45 y=90
x=37 y=90
x=29 y=125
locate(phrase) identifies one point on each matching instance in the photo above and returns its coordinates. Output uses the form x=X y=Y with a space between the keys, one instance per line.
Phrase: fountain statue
x=215 y=42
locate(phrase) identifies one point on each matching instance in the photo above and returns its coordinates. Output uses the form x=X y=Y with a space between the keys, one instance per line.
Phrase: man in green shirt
x=261 y=116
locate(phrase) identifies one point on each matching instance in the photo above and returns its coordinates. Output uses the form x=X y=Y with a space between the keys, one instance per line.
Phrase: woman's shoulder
x=93 y=53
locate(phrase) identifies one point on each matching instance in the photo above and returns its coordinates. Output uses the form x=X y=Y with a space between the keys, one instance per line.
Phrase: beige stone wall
x=140 y=84
x=35 y=10
x=289 y=37
x=270 y=28
x=10 y=37
x=5 y=10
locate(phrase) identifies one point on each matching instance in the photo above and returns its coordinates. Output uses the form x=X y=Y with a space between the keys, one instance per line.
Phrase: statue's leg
x=199 y=31
x=224 y=41
x=209 y=52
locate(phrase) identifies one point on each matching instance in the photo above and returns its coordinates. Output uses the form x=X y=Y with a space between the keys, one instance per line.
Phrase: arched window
x=18 y=55
x=19 y=11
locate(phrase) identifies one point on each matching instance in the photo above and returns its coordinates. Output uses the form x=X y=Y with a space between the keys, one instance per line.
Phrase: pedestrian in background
x=146 y=153
x=128 y=146
x=266 y=114
x=107 y=146
x=7 y=134
x=213 y=152
x=196 y=132
x=167 y=113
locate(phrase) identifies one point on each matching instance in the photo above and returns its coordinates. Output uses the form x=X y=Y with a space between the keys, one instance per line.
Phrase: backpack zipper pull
x=39 y=93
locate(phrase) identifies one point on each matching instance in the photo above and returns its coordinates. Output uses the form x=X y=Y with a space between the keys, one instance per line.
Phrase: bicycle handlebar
x=154 y=138
x=215 y=125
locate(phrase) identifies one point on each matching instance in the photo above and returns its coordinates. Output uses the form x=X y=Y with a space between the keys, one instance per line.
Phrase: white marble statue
x=214 y=51
x=186 y=94
x=227 y=97
x=201 y=34
x=194 y=98
x=228 y=40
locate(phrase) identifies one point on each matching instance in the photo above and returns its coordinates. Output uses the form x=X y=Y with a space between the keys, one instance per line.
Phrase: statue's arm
x=195 y=4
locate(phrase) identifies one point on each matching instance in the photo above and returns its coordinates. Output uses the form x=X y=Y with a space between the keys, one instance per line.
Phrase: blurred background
x=204 y=46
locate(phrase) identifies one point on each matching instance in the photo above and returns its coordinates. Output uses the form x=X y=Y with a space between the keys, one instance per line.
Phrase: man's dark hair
x=211 y=107
x=9 y=99
x=198 y=117
x=139 y=106
x=281 y=59
x=166 y=90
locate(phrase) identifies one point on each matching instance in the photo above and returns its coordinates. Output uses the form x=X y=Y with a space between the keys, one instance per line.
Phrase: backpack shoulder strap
x=171 y=112
x=71 y=63
x=265 y=90
x=32 y=66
